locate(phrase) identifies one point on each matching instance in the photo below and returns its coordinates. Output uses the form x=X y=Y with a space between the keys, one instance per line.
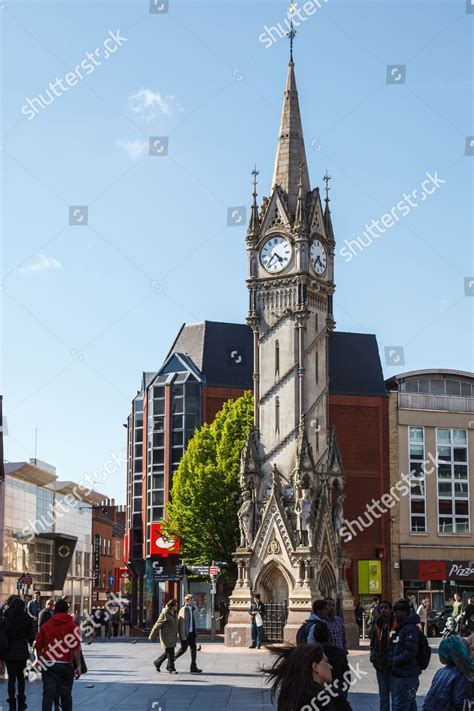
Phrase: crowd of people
x=315 y=673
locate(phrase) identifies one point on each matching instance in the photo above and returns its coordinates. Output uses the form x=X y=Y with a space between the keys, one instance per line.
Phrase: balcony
x=425 y=401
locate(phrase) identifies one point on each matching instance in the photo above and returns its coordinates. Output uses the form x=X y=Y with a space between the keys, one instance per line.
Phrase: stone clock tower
x=291 y=473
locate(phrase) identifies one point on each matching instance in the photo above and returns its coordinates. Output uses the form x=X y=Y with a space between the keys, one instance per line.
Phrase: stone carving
x=305 y=517
x=338 y=515
x=273 y=548
x=246 y=516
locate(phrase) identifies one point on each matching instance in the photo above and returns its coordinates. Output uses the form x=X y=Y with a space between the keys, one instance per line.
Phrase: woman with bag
x=452 y=688
x=167 y=628
x=20 y=633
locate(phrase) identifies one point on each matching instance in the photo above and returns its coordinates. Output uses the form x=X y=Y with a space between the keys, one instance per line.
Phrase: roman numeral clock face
x=275 y=254
x=319 y=258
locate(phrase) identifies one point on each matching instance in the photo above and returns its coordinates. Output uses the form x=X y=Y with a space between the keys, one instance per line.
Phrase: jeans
x=191 y=643
x=16 y=676
x=256 y=635
x=58 y=681
x=404 y=693
x=169 y=655
x=385 y=680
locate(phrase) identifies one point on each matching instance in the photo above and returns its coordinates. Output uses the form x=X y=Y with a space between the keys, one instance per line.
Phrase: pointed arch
x=274 y=582
x=327 y=582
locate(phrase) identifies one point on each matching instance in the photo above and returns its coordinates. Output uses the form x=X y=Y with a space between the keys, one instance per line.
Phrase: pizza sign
x=161 y=544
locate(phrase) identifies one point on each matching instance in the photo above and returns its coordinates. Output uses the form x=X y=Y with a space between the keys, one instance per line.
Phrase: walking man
x=380 y=640
x=422 y=613
x=187 y=630
x=406 y=668
x=257 y=612
x=33 y=608
x=58 y=646
x=336 y=626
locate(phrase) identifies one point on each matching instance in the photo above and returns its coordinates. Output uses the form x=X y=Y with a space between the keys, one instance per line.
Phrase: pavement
x=121 y=676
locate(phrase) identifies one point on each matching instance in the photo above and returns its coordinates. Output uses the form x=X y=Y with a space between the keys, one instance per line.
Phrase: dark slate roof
x=354 y=365
x=223 y=352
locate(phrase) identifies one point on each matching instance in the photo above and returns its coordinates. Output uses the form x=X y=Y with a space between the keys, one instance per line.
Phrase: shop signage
x=160 y=544
x=437 y=570
x=97 y=560
x=370 y=577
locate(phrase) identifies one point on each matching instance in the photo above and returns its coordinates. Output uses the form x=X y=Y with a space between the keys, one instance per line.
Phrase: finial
x=255 y=174
x=291 y=34
x=300 y=174
x=326 y=179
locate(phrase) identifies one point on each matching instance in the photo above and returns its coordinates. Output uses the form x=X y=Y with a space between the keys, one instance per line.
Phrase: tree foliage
x=205 y=495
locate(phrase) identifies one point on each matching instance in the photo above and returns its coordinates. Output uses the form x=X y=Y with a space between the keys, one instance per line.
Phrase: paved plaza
x=122 y=676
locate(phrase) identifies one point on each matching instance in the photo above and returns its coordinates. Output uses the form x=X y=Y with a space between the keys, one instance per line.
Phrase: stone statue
x=338 y=514
x=246 y=516
x=305 y=516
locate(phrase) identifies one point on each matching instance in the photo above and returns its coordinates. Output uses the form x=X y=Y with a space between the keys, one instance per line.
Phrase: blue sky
x=87 y=308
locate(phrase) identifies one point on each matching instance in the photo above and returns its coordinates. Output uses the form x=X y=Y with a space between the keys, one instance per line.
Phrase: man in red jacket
x=58 y=645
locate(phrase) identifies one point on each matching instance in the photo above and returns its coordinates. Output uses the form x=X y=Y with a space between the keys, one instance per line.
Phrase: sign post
x=213 y=572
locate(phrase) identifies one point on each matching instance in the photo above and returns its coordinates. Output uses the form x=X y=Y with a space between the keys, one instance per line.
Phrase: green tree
x=205 y=495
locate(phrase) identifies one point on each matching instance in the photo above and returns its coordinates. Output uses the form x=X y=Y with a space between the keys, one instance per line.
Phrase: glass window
x=158 y=439
x=177 y=390
x=159 y=407
x=158 y=392
x=177 y=422
x=138 y=465
x=437 y=387
x=416 y=453
x=192 y=389
x=159 y=424
x=178 y=405
x=192 y=403
x=139 y=450
x=158 y=456
x=453 y=485
x=177 y=438
x=192 y=421
x=411 y=386
x=453 y=387
x=424 y=386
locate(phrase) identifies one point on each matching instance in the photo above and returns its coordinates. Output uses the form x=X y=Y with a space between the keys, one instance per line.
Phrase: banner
x=63 y=551
x=160 y=544
x=370 y=577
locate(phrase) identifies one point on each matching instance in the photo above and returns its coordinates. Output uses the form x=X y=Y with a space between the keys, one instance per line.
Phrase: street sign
x=18 y=585
x=214 y=570
x=25 y=579
x=199 y=569
x=111 y=580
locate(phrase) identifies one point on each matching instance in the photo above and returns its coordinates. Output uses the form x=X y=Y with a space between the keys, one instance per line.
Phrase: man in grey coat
x=187 y=630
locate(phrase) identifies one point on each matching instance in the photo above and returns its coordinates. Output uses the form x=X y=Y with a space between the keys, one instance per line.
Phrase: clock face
x=319 y=258
x=275 y=254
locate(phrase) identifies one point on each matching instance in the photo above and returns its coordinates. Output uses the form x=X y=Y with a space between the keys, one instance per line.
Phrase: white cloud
x=133 y=147
x=42 y=264
x=148 y=104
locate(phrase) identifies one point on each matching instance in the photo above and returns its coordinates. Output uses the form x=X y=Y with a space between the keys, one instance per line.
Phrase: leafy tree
x=205 y=495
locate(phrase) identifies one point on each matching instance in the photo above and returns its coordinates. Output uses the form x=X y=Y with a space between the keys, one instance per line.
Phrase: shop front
x=437 y=581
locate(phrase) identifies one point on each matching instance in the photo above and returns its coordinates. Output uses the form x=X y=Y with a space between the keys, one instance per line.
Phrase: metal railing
x=426 y=401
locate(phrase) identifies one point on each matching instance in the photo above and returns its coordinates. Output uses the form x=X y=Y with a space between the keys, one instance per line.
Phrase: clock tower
x=291 y=472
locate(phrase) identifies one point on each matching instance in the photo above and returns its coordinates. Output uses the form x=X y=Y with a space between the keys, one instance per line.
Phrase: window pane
x=158 y=439
x=460 y=454
x=411 y=386
x=158 y=456
x=444 y=471
x=192 y=403
x=177 y=390
x=192 y=421
x=418 y=506
x=453 y=387
x=416 y=470
x=139 y=450
x=158 y=481
x=443 y=436
x=444 y=488
x=158 y=498
x=462 y=525
x=177 y=438
x=437 y=387
x=416 y=451
x=159 y=391
x=460 y=436
x=444 y=453
x=445 y=525
x=461 y=508
x=159 y=407
x=192 y=388
x=177 y=405
x=418 y=524
x=177 y=422
x=159 y=423
x=445 y=507
x=416 y=434
x=418 y=488
x=461 y=489
x=138 y=465
x=466 y=389
x=424 y=386
x=460 y=471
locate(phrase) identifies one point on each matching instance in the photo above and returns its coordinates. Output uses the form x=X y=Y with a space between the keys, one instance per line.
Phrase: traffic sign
x=214 y=570
x=111 y=579
x=18 y=585
x=199 y=569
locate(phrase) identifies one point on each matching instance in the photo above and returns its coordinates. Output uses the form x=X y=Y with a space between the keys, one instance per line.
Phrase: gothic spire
x=254 y=224
x=290 y=150
x=327 y=211
x=300 y=216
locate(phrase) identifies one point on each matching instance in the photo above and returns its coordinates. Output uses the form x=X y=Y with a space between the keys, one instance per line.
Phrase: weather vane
x=255 y=174
x=291 y=34
x=326 y=179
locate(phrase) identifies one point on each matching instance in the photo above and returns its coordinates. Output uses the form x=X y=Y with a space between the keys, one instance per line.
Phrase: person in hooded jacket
x=406 y=669
x=380 y=652
x=453 y=684
x=20 y=633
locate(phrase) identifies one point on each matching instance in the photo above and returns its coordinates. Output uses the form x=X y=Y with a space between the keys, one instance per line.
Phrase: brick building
x=108 y=529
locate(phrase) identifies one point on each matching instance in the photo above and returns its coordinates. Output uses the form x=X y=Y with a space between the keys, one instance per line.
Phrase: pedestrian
x=341 y=674
x=301 y=677
x=453 y=684
x=20 y=633
x=372 y=614
x=468 y=618
x=319 y=614
x=125 y=619
x=336 y=626
x=97 y=618
x=422 y=613
x=58 y=646
x=166 y=627
x=115 y=620
x=359 y=616
x=406 y=668
x=33 y=608
x=257 y=612
x=380 y=657
x=413 y=603
x=457 y=606
x=187 y=630
x=47 y=612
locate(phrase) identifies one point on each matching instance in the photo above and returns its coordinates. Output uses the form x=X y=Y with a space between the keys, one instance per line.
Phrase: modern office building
x=108 y=529
x=47 y=531
x=208 y=364
x=432 y=442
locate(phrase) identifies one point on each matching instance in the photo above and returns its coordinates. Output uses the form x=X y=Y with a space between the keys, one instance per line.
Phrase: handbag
x=83 y=664
x=258 y=619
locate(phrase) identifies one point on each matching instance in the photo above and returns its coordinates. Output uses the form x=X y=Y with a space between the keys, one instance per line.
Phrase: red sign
x=213 y=570
x=126 y=547
x=160 y=544
x=432 y=570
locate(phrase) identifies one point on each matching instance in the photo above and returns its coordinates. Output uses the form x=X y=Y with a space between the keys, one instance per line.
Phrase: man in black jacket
x=406 y=669
x=257 y=613
x=380 y=641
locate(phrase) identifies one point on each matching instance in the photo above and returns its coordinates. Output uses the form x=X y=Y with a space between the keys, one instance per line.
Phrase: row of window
x=438 y=386
x=452 y=480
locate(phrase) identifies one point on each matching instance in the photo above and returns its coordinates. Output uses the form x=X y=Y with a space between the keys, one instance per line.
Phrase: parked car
x=437 y=622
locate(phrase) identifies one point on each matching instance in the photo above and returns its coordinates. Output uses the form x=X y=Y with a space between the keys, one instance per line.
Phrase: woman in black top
x=20 y=633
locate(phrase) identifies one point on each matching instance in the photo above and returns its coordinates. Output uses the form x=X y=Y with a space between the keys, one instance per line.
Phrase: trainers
x=195 y=670
x=172 y=671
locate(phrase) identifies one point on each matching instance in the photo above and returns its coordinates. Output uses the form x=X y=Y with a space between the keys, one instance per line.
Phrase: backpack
x=424 y=652
x=303 y=632
x=3 y=638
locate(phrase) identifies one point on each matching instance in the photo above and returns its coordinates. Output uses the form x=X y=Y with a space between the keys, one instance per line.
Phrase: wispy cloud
x=134 y=147
x=42 y=264
x=148 y=104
